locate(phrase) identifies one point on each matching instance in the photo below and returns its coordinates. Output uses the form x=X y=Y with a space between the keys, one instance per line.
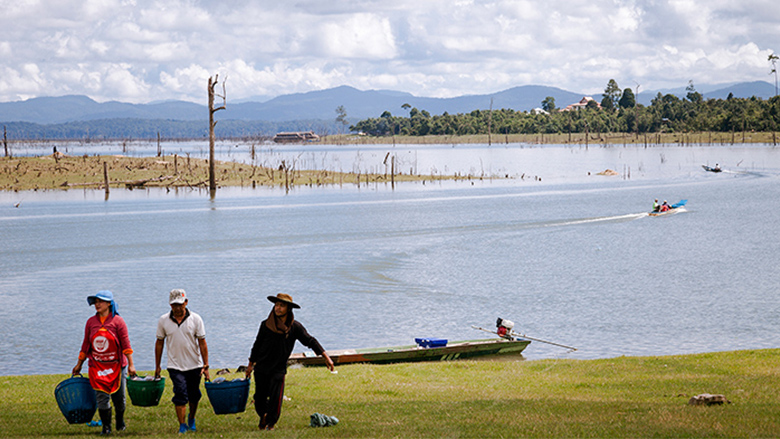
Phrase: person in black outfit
x=270 y=352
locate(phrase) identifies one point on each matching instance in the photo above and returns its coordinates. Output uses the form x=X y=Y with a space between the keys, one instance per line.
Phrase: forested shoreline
x=616 y=113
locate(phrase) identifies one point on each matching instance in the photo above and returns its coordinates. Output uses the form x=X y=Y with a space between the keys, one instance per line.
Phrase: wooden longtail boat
x=425 y=350
x=674 y=208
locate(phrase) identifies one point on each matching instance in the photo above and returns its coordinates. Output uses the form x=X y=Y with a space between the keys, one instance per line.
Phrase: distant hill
x=80 y=116
x=320 y=104
x=47 y=110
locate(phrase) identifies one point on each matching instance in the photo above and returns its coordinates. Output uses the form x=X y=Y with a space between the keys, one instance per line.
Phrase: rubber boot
x=105 y=418
x=120 y=420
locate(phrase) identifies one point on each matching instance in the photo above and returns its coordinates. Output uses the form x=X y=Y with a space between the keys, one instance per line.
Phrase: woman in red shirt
x=107 y=345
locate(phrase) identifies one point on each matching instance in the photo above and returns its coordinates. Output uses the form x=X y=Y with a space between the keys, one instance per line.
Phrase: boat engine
x=504 y=328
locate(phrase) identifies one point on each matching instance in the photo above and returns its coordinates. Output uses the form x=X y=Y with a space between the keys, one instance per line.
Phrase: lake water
x=569 y=256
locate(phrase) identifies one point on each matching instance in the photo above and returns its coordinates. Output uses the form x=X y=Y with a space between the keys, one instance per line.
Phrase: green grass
x=619 y=397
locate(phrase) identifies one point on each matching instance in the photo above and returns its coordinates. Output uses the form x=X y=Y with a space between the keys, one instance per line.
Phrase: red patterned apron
x=105 y=369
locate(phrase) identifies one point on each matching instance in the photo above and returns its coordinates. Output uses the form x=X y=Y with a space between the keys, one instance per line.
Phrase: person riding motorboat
x=665 y=206
x=656 y=206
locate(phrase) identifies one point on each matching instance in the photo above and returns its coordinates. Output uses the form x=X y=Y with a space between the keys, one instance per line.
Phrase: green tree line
x=618 y=112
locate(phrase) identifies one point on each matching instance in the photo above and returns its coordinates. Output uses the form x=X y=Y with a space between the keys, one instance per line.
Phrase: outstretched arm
x=204 y=353
x=130 y=364
x=158 y=350
x=328 y=361
x=77 y=368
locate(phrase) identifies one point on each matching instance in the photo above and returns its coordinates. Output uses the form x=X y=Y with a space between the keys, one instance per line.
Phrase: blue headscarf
x=106 y=296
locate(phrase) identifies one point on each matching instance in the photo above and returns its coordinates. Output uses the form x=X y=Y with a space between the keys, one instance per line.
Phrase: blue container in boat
x=76 y=399
x=228 y=397
x=431 y=342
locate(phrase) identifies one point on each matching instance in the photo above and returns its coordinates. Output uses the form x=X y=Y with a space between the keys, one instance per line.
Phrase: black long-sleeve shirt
x=271 y=351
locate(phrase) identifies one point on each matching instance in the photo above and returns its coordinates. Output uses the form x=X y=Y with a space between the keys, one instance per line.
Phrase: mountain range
x=315 y=108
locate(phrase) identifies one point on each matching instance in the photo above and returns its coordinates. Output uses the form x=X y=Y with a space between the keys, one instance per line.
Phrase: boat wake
x=602 y=219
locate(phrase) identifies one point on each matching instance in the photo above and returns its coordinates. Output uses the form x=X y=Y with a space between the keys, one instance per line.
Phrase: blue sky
x=143 y=50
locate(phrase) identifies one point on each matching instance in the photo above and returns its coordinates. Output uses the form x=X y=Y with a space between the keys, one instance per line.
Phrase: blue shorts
x=186 y=386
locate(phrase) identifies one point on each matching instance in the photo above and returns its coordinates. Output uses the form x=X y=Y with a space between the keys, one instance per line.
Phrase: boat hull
x=670 y=211
x=410 y=354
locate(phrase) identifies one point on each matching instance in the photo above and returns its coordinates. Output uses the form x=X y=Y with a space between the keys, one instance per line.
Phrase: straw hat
x=284 y=298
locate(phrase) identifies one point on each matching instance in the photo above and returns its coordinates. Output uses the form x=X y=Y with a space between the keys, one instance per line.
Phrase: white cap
x=177 y=296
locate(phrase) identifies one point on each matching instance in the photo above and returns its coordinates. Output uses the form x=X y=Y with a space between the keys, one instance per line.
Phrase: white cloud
x=120 y=80
x=626 y=19
x=363 y=36
x=143 y=50
x=5 y=49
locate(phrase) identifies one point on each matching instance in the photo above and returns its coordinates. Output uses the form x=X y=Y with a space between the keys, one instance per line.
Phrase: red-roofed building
x=582 y=104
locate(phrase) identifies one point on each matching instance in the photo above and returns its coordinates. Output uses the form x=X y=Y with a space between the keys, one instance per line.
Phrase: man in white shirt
x=188 y=356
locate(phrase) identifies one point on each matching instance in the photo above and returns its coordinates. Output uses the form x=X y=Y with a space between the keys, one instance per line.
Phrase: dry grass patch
x=69 y=172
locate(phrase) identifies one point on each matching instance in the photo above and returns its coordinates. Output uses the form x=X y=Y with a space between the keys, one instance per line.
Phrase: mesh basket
x=76 y=399
x=145 y=393
x=228 y=396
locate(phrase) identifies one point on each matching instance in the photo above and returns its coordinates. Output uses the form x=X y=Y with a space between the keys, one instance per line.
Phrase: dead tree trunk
x=105 y=178
x=392 y=172
x=212 y=123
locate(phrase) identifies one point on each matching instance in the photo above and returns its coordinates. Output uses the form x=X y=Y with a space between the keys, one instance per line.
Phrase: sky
x=144 y=51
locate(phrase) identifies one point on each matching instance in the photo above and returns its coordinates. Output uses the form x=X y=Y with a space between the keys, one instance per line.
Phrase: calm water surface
x=571 y=258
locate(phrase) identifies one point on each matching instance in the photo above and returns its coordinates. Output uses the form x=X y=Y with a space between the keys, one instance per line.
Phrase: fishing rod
x=505 y=331
x=515 y=334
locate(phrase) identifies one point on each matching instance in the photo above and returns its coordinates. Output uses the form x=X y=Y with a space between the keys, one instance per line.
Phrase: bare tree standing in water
x=212 y=123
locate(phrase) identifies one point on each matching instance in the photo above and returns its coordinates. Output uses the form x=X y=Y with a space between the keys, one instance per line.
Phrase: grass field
x=619 y=397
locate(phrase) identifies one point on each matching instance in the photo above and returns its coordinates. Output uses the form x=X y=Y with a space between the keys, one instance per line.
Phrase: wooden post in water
x=392 y=172
x=5 y=140
x=587 y=134
x=159 y=149
x=286 y=178
x=105 y=177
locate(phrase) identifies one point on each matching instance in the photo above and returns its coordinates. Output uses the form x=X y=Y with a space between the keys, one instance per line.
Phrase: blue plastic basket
x=228 y=396
x=76 y=399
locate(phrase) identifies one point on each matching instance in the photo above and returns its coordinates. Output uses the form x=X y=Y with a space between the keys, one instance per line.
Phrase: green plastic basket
x=145 y=393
